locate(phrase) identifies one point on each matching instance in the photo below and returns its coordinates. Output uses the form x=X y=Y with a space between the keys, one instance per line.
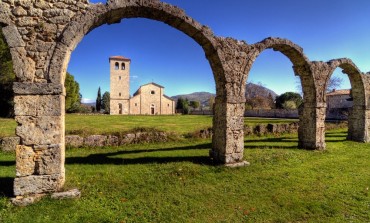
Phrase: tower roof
x=121 y=58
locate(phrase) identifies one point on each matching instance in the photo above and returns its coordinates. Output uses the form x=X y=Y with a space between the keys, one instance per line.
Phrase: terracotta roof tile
x=119 y=58
x=339 y=92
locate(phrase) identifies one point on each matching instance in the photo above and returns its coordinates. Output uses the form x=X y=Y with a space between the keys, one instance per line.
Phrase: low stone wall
x=272 y=113
x=9 y=144
x=261 y=129
x=204 y=112
x=275 y=129
x=112 y=140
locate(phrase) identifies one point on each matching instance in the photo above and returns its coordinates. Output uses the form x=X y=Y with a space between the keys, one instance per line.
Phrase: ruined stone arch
x=296 y=56
x=357 y=118
x=310 y=132
x=114 y=12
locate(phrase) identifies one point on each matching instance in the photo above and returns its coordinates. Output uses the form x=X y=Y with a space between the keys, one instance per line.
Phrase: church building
x=149 y=99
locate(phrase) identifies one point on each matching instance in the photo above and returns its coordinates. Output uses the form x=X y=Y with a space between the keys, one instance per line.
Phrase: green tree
x=73 y=96
x=183 y=105
x=290 y=105
x=288 y=96
x=98 y=101
x=7 y=77
x=194 y=104
x=106 y=102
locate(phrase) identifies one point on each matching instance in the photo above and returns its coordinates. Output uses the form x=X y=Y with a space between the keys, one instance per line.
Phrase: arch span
x=299 y=60
x=114 y=12
x=357 y=118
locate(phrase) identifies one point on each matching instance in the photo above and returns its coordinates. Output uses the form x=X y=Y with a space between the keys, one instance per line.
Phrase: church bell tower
x=119 y=85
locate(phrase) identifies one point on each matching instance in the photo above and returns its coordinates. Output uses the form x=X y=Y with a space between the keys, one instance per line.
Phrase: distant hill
x=202 y=97
x=253 y=90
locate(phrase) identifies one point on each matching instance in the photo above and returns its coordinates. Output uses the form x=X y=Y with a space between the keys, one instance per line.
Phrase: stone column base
x=239 y=164
x=312 y=145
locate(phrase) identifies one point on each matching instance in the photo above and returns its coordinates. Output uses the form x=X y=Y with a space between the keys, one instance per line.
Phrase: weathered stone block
x=37 y=184
x=13 y=38
x=25 y=161
x=43 y=105
x=24 y=66
x=45 y=130
x=127 y=139
x=49 y=160
x=74 y=141
x=24 y=201
x=235 y=141
x=74 y=193
x=112 y=141
x=8 y=144
x=95 y=140
x=38 y=88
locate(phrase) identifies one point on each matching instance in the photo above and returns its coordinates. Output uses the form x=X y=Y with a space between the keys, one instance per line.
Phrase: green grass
x=105 y=124
x=7 y=127
x=175 y=182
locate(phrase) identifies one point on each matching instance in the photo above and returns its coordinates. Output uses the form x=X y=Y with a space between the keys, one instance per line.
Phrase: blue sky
x=325 y=29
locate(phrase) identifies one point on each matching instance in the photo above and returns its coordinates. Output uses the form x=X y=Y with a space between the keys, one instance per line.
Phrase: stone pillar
x=228 y=120
x=359 y=116
x=357 y=126
x=228 y=138
x=39 y=112
x=311 y=130
x=312 y=113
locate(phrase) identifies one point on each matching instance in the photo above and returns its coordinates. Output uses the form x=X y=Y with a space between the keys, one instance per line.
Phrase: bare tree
x=334 y=83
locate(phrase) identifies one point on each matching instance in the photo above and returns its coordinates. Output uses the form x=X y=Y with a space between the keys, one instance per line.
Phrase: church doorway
x=120 y=109
x=152 y=109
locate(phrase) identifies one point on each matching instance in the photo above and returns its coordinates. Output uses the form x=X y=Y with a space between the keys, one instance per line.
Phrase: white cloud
x=134 y=76
x=87 y=100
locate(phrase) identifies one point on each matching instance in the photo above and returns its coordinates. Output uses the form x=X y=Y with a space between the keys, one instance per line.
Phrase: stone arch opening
x=357 y=127
x=113 y=12
x=296 y=56
x=307 y=133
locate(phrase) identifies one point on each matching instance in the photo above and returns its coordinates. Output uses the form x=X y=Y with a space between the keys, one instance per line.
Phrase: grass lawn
x=7 y=127
x=99 y=124
x=174 y=182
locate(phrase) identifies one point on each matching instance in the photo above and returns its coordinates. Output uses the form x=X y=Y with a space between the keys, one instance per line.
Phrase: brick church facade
x=149 y=99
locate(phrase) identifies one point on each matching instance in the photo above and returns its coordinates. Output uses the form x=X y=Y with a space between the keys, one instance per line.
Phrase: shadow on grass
x=7 y=163
x=105 y=158
x=285 y=143
x=6 y=186
x=329 y=137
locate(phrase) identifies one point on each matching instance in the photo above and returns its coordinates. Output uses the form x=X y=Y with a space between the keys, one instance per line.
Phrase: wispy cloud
x=87 y=100
x=134 y=76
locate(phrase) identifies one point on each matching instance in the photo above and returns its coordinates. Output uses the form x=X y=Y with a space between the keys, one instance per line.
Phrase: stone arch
x=41 y=62
x=357 y=127
x=114 y=12
x=309 y=133
x=295 y=54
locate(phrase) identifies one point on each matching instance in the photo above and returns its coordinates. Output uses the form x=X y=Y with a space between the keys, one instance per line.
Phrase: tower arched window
x=123 y=66
x=116 y=66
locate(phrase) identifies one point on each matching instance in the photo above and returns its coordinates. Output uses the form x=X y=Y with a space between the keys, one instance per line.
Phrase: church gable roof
x=152 y=83
x=121 y=58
